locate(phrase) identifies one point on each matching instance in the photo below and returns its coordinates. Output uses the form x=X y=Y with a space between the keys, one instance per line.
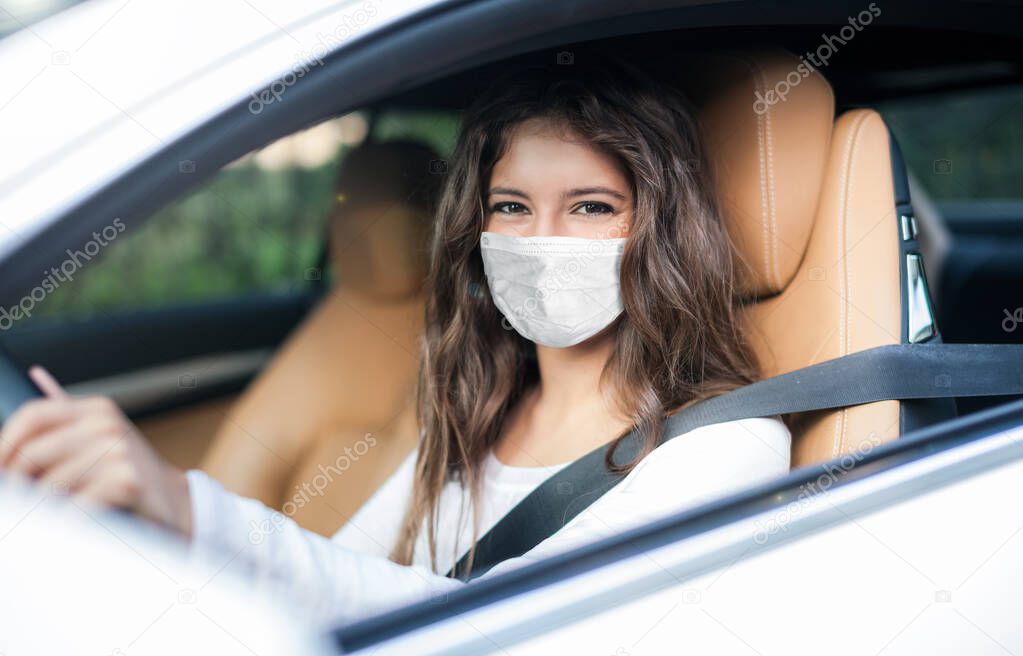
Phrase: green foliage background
x=963 y=145
x=249 y=230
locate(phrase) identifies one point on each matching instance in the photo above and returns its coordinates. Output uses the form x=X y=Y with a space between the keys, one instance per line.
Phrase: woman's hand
x=87 y=446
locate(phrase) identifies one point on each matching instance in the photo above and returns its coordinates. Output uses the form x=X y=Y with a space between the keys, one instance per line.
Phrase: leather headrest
x=767 y=119
x=386 y=195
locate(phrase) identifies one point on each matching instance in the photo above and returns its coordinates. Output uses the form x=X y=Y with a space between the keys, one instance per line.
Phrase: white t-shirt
x=349 y=575
x=374 y=528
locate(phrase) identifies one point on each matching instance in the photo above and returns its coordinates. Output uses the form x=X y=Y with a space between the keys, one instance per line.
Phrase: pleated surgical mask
x=555 y=291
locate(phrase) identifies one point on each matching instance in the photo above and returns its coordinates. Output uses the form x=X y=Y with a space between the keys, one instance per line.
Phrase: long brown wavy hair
x=678 y=340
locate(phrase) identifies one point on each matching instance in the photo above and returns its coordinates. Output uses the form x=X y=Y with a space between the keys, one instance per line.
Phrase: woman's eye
x=595 y=208
x=508 y=208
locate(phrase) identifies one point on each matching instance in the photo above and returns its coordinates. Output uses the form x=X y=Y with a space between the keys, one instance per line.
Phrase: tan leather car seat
x=332 y=414
x=809 y=201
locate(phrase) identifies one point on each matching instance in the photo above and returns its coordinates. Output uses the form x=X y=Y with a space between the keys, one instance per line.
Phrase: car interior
x=350 y=367
x=825 y=192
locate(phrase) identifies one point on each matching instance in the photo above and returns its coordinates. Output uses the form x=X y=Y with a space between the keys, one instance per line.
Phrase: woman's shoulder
x=741 y=440
x=724 y=454
x=769 y=431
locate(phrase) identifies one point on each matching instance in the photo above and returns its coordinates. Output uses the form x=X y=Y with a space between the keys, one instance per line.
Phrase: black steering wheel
x=15 y=385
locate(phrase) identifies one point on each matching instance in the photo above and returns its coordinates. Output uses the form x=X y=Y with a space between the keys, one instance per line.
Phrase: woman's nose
x=546 y=224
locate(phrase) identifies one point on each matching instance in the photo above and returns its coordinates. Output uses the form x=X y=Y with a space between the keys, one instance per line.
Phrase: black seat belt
x=892 y=372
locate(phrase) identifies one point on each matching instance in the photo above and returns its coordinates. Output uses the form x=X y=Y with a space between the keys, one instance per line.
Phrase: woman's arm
x=340 y=584
x=88 y=445
x=332 y=583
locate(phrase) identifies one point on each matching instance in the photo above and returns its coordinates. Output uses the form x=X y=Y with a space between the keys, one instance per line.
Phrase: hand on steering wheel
x=87 y=446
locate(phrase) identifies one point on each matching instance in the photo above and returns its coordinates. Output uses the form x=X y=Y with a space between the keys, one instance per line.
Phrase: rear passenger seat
x=332 y=414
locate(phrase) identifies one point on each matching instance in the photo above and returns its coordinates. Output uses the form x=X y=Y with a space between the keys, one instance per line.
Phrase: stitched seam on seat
x=843 y=320
x=761 y=82
x=772 y=202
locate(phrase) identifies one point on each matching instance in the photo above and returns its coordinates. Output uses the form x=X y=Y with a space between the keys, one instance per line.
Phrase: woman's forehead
x=544 y=159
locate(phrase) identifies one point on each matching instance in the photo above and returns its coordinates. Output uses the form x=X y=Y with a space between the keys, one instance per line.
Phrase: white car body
x=81 y=580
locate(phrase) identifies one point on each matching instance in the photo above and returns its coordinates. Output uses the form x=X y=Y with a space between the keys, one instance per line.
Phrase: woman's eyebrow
x=571 y=193
x=586 y=191
x=508 y=191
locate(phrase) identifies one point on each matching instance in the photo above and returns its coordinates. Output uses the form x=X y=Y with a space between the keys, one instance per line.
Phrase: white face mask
x=555 y=291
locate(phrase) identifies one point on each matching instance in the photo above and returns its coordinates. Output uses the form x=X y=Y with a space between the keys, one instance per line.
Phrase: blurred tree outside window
x=962 y=145
x=259 y=226
x=438 y=129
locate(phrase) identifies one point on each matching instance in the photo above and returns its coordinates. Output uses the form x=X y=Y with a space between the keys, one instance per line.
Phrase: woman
x=581 y=285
